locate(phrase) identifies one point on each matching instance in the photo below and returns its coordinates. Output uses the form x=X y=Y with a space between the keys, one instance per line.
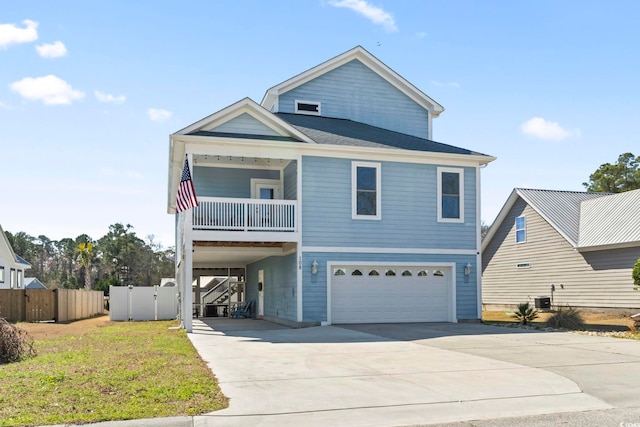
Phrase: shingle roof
x=560 y=208
x=332 y=131
x=611 y=220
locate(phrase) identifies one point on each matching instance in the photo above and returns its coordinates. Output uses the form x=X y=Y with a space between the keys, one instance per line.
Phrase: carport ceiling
x=211 y=254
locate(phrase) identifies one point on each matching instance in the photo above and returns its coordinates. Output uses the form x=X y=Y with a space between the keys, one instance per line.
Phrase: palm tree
x=85 y=255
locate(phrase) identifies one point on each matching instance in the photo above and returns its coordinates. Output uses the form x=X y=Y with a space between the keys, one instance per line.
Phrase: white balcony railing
x=228 y=214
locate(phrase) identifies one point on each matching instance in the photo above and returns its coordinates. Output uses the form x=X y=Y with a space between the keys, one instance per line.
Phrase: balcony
x=245 y=215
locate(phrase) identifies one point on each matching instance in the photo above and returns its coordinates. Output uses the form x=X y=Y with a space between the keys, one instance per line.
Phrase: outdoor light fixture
x=467 y=269
x=314 y=267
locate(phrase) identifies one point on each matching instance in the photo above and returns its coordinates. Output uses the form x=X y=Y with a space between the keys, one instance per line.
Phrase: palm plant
x=525 y=313
x=85 y=255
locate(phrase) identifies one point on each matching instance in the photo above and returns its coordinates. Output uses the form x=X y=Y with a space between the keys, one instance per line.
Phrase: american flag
x=186 y=198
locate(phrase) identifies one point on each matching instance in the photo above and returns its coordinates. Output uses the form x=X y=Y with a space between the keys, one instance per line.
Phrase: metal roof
x=561 y=209
x=610 y=220
x=332 y=131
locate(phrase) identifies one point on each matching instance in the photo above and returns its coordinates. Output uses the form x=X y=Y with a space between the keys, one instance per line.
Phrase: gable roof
x=357 y=53
x=17 y=259
x=33 y=283
x=587 y=221
x=332 y=131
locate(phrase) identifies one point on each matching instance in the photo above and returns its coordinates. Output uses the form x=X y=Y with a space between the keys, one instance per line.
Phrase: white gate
x=143 y=303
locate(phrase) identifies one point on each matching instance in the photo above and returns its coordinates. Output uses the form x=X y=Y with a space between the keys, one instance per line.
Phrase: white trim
x=452 y=279
x=307 y=112
x=299 y=239
x=364 y=250
x=478 y=244
x=460 y=172
x=354 y=190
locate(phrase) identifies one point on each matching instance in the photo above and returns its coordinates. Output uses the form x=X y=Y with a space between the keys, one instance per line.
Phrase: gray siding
x=280 y=287
x=290 y=181
x=314 y=287
x=354 y=92
x=599 y=279
x=409 y=208
x=244 y=123
x=228 y=182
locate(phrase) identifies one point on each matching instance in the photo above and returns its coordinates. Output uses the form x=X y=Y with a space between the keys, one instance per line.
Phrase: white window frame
x=460 y=172
x=1 y=274
x=515 y=225
x=311 y=113
x=354 y=190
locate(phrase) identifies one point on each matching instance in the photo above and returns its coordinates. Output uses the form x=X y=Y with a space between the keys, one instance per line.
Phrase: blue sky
x=90 y=91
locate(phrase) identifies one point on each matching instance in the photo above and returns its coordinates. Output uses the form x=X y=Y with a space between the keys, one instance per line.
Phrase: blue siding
x=245 y=123
x=353 y=91
x=314 y=288
x=409 y=208
x=280 y=287
x=291 y=181
x=228 y=182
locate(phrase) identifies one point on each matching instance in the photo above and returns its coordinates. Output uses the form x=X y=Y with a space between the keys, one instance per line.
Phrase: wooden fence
x=59 y=305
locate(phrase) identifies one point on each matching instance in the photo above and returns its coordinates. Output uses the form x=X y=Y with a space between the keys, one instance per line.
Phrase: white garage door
x=385 y=294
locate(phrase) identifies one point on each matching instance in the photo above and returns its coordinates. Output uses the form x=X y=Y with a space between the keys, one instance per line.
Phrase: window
x=356 y=272
x=521 y=229
x=374 y=273
x=20 y=279
x=438 y=273
x=423 y=273
x=339 y=272
x=308 y=107
x=406 y=273
x=450 y=195
x=12 y=278
x=390 y=273
x=365 y=182
x=1 y=274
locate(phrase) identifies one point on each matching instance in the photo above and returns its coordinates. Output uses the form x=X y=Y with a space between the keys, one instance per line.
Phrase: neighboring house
x=33 y=283
x=578 y=248
x=12 y=266
x=330 y=203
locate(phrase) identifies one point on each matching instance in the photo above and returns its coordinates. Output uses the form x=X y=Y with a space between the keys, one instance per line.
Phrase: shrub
x=15 y=343
x=525 y=313
x=566 y=318
x=635 y=273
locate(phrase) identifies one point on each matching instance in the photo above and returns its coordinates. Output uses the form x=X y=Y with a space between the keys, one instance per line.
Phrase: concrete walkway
x=408 y=374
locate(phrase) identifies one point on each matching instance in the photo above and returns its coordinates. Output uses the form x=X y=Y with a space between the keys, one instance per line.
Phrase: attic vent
x=308 y=107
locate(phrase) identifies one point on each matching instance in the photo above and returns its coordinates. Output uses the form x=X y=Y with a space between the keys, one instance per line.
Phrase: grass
x=116 y=372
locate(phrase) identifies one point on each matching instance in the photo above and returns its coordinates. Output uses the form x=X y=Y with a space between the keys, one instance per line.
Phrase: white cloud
x=158 y=115
x=53 y=50
x=543 y=129
x=445 y=84
x=11 y=34
x=51 y=90
x=107 y=97
x=377 y=15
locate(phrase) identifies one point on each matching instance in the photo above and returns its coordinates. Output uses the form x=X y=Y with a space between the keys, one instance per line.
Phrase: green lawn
x=121 y=371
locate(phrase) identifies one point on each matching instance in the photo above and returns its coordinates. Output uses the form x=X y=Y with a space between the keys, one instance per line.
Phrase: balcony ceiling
x=210 y=160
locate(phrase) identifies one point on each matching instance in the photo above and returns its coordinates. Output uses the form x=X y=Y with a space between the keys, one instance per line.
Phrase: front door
x=265 y=189
x=260 y=293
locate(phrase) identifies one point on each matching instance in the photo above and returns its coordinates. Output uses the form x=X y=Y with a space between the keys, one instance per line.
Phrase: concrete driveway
x=408 y=374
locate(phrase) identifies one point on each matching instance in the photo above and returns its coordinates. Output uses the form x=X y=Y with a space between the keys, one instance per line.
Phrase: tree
x=624 y=175
x=635 y=274
x=85 y=256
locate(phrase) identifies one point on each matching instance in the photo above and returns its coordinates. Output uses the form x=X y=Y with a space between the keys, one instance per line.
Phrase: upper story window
x=450 y=195
x=521 y=229
x=308 y=107
x=12 y=278
x=365 y=183
x=1 y=274
x=20 y=279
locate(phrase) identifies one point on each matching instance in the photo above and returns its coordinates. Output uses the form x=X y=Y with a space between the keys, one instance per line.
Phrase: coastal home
x=12 y=266
x=329 y=202
x=33 y=283
x=576 y=248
